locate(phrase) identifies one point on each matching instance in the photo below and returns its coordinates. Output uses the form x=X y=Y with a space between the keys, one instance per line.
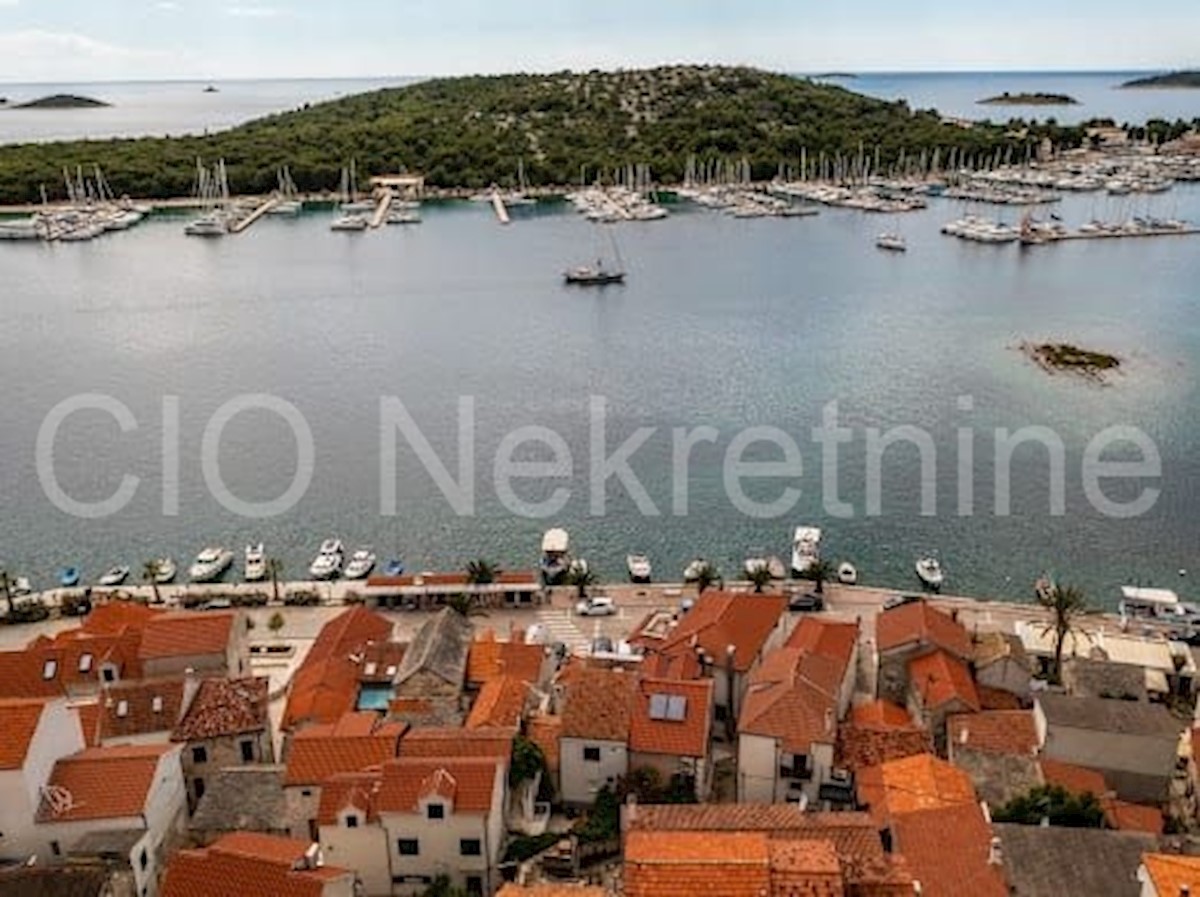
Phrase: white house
x=594 y=742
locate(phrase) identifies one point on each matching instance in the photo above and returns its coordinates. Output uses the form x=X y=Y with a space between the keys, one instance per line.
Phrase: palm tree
x=707 y=576
x=583 y=578
x=819 y=572
x=482 y=572
x=464 y=605
x=6 y=588
x=761 y=577
x=151 y=571
x=275 y=571
x=1065 y=605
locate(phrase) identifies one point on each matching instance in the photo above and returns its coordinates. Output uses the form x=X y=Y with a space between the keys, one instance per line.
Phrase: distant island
x=210 y=89
x=62 y=101
x=1171 y=79
x=831 y=75
x=1030 y=99
x=1065 y=357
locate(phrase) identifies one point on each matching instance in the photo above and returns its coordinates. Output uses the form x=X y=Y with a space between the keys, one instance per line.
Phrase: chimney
x=917 y=889
x=829 y=719
x=995 y=854
x=191 y=685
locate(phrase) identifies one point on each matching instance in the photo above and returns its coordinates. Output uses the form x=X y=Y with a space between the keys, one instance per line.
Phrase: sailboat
x=351 y=217
x=212 y=190
x=288 y=205
x=351 y=203
x=598 y=275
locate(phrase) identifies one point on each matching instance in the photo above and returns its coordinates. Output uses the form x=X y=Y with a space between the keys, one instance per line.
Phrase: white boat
x=362 y=562
x=892 y=242
x=847 y=574
x=212 y=225
x=210 y=564
x=20 y=587
x=167 y=569
x=806 y=549
x=929 y=571
x=255 y=563
x=691 y=572
x=288 y=205
x=349 y=222
x=639 y=568
x=20 y=229
x=403 y=216
x=760 y=560
x=556 y=544
x=328 y=562
x=114 y=576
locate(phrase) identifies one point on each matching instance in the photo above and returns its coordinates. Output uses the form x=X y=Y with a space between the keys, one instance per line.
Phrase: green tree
x=275 y=571
x=582 y=578
x=465 y=606
x=1066 y=604
x=1056 y=804
x=151 y=571
x=482 y=572
x=819 y=572
x=761 y=577
x=276 y=623
x=708 y=576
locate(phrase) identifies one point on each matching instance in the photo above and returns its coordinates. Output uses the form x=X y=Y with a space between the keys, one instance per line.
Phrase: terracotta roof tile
x=881 y=715
x=598 y=704
x=355 y=742
x=721 y=619
x=687 y=737
x=449 y=741
x=469 y=782
x=187 y=635
x=1173 y=875
x=501 y=702
x=921 y=623
x=805 y=868
x=246 y=863
x=70 y=662
x=139 y=708
x=18 y=723
x=696 y=864
x=545 y=730
x=793 y=697
x=224 y=707
x=551 y=890
x=915 y=783
x=942 y=679
x=1076 y=779
x=859 y=747
x=112 y=617
x=948 y=849
x=351 y=790
x=489 y=658
x=1127 y=817
x=89 y=722
x=998 y=698
x=994 y=732
x=714 y=817
x=836 y=641
x=103 y=783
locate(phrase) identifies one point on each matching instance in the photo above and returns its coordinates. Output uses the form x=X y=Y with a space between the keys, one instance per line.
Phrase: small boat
x=349 y=222
x=639 y=568
x=210 y=89
x=691 y=572
x=403 y=216
x=69 y=577
x=166 y=571
x=578 y=567
x=328 y=562
x=555 y=561
x=891 y=242
x=20 y=587
x=806 y=549
x=255 y=569
x=362 y=562
x=394 y=567
x=759 y=560
x=599 y=276
x=114 y=576
x=206 y=226
x=847 y=574
x=210 y=564
x=929 y=571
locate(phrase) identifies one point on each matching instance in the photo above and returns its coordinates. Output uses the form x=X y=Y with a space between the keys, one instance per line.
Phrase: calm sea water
x=724 y=323
x=182 y=107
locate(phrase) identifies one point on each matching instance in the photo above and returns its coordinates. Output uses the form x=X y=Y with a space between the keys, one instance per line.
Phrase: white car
x=596 y=606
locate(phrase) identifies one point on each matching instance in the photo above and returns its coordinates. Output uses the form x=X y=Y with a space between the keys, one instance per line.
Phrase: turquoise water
x=723 y=323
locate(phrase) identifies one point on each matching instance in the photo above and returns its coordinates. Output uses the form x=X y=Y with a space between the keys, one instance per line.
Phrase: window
x=470 y=847
x=85 y=663
x=200 y=754
x=49 y=669
x=198 y=788
x=474 y=886
x=306 y=792
x=408 y=847
x=144 y=860
x=55 y=848
x=721 y=712
x=109 y=674
x=247 y=751
x=122 y=709
x=156 y=704
x=435 y=811
x=351 y=821
x=591 y=755
x=800 y=767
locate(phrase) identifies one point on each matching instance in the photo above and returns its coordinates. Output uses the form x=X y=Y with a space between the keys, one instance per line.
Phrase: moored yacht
x=328 y=562
x=930 y=572
x=255 y=569
x=639 y=568
x=114 y=576
x=806 y=549
x=555 y=560
x=362 y=562
x=166 y=570
x=891 y=242
x=210 y=564
x=349 y=221
x=847 y=574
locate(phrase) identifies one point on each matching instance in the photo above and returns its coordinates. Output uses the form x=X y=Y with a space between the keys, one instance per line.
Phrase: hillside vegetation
x=471 y=132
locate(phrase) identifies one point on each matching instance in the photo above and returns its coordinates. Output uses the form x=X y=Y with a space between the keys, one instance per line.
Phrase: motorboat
x=114 y=576
x=599 y=276
x=891 y=243
x=394 y=567
x=20 y=587
x=847 y=574
x=68 y=577
x=255 y=569
x=929 y=571
x=692 y=571
x=760 y=560
x=639 y=568
x=166 y=570
x=556 y=544
x=210 y=564
x=349 y=221
x=362 y=562
x=403 y=216
x=806 y=549
x=328 y=562
x=286 y=208
x=578 y=567
x=212 y=225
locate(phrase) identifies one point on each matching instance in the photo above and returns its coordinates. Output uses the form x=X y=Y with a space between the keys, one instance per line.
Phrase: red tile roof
x=915 y=783
x=948 y=850
x=793 y=697
x=103 y=783
x=881 y=715
x=356 y=741
x=1172 y=875
x=187 y=635
x=18 y=723
x=113 y=617
x=69 y=662
x=920 y=623
x=720 y=620
x=687 y=737
x=1076 y=779
x=246 y=863
x=696 y=864
x=489 y=658
x=139 y=708
x=325 y=687
x=598 y=704
x=351 y=790
x=859 y=747
x=994 y=732
x=469 y=782
x=544 y=730
x=225 y=707
x=829 y=639
x=805 y=868
x=998 y=698
x=426 y=742
x=1127 y=817
x=543 y=889
x=501 y=702
x=716 y=817
x=941 y=679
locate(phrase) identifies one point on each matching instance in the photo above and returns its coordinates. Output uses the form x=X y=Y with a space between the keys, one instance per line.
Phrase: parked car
x=806 y=603
x=596 y=606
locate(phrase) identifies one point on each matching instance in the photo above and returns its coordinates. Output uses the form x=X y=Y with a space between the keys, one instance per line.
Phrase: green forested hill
x=470 y=132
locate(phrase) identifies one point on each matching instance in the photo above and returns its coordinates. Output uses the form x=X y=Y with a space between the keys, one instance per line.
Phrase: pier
x=381 y=209
x=501 y=210
x=1117 y=235
x=240 y=224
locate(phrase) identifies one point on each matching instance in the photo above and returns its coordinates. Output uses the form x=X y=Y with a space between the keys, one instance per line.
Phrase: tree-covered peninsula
x=471 y=132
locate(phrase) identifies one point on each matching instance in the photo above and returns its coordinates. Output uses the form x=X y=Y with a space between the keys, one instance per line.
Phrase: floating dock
x=241 y=224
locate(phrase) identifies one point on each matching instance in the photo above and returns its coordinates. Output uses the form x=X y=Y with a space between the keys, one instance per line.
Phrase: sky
x=97 y=40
